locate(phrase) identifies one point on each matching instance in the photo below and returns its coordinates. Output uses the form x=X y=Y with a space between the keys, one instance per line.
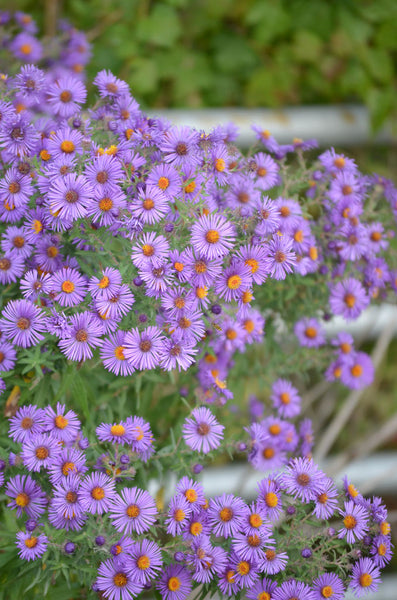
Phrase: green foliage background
x=240 y=53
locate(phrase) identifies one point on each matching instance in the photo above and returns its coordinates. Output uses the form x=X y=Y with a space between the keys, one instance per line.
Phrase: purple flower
x=65 y=95
x=365 y=577
x=109 y=86
x=262 y=590
x=33 y=285
x=175 y=583
x=22 y=323
x=381 y=550
x=26 y=47
x=213 y=236
x=142 y=350
x=357 y=371
x=65 y=142
x=281 y=259
x=112 y=355
x=269 y=498
x=11 y=268
x=107 y=285
x=145 y=561
x=302 y=478
x=26 y=495
x=355 y=522
x=116 y=306
x=326 y=502
x=292 y=589
x=27 y=422
x=84 y=335
x=309 y=333
x=152 y=249
x=30 y=81
x=97 y=493
x=68 y=462
x=328 y=585
x=201 y=431
x=273 y=561
x=348 y=298
x=180 y=146
x=166 y=179
x=177 y=352
x=40 y=451
x=68 y=286
x=115 y=581
x=265 y=171
x=61 y=426
x=134 y=510
x=66 y=498
x=226 y=515
x=69 y=196
x=118 y=433
x=31 y=546
x=178 y=515
x=150 y=206
x=142 y=437
x=285 y=399
x=233 y=280
x=18 y=135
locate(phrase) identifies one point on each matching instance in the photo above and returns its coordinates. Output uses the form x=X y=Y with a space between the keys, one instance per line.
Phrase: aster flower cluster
x=145 y=244
x=66 y=55
x=300 y=536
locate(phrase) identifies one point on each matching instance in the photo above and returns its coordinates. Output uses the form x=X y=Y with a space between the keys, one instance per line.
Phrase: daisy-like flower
x=150 y=206
x=106 y=205
x=175 y=583
x=202 y=432
x=302 y=478
x=115 y=581
x=84 y=335
x=65 y=142
x=227 y=582
x=265 y=170
x=97 y=493
x=309 y=333
x=254 y=258
x=31 y=546
x=268 y=215
x=62 y=426
x=226 y=515
x=134 y=510
x=206 y=559
x=18 y=136
x=34 y=284
x=106 y=285
x=109 y=86
x=269 y=498
x=355 y=522
x=117 y=305
x=30 y=81
x=26 y=47
x=178 y=353
x=365 y=577
x=329 y=586
x=381 y=550
x=262 y=590
x=348 y=298
x=118 y=433
x=166 y=179
x=69 y=196
x=15 y=189
x=281 y=258
x=145 y=561
x=14 y=241
x=251 y=546
x=39 y=451
x=192 y=491
x=142 y=349
x=152 y=249
x=358 y=371
x=104 y=172
x=178 y=515
x=65 y=96
x=273 y=561
x=292 y=589
x=246 y=570
x=285 y=399
x=26 y=495
x=8 y=356
x=180 y=146
x=68 y=286
x=22 y=323
x=27 y=423
x=213 y=236
x=12 y=267
x=142 y=435
x=326 y=502
x=233 y=279
x=66 y=497
x=112 y=355
x=69 y=461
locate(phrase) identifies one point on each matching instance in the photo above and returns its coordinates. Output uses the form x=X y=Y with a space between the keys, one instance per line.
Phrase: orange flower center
x=243 y=567
x=22 y=499
x=226 y=514
x=148 y=250
x=349 y=522
x=255 y=520
x=98 y=493
x=365 y=580
x=191 y=495
x=271 y=499
x=67 y=146
x=174 y=583
x=42 y=453
x=163 y=183
x=68 y=286
x=106 y=204
x=349 y=300
x=119 y=352
x=143 y=562
x=61 y=422
x=179 y=515
x=117 y=430
x=133 y=511
x=327 y=591
x=31 y=542
x=212 y=236
x=67 y=467
x=220 y=165
x=311 y=332
x=234 y=282
x=120 y=580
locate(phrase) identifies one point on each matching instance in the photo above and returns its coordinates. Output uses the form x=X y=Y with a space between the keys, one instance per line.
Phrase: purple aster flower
x=251 y=546
x=188 y=326
x=285 y=399
x=201 y=431
x=269 y=217
x=40 y=451
x=117 y=305
x=273 y=561
x=180 y=145
x=196 y=526
x=84 y=335
x=107 y=285
x=178 y=515
x=68 y=462
x=177 y=300
x=178 y=352
x=365 y=577
x=27 y=423
x=18 y=136
x=30 y=82
x=227 y=582
x=192 y=491
x=254 y=257
x=34 y=284
x=57 y=324
x=309 y=333
x=134 y=510
x=97 y=493
x=290 y=214
x=213 y=236
x=112 y=355
x=150 y=205
x=109 y=86
x=106 y=205
x=381 y=550
x=269 y=498
x=233 y=279
x=355 y=521
x=14 y=242
x=357 y=371
x=68 y=287
x=118 y=433
x=8 y=356
x=241 y=195
x=142 y=350
x=207 y=560
x=26 y=47
x=65 y=95
x=68 y=197
x=166 y=179
x=226 y=515
x=345 y=186
x=104 y=172
x=12 y=267
x=26 y=495
x=175 y=583
x=335 y=162
x=30 y=546
x=268 y=455
x=145 y=561
x=246 y=571
x=281 y=259
x=292 y=589
x=326 y=502
x=65 y=142
x=66 y=498
x=302 y=479
x=62 y=426
x=115 y=581
x=348 y=298
x=328 y=585
x=22 y=323
x=262 y=590
x=265 y=170
x=142 y=437
x=152 y=249
x=15 y=190
x=198 y=268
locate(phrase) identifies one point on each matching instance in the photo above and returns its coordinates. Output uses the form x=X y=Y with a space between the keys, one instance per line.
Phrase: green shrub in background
x=270 y=53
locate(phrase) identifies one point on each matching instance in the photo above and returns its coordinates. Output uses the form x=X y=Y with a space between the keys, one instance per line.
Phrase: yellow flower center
x=143 y=562
x=42 y=453
x=349 y=522
x=163 y=183
x=327 y=591
x=190 y=187
x=147 y=249
x=220 y=165
x=67 y=146
x=253 y=264
x=119 y=352
x=191 y=495
x=120 y=580
x=365 y=580
x=243 y=567
x=22 y=499
x=67 y=467
x=179 y=515
x=212 y=236
x=311 y=332
x=61 y=422
x=234 y=282
x=117 y=430
x=174 y=583
x=133 y=511
x=105 y=204
x=196 y=528
x=255 y=520
x=98 y=493
x=68 y=286
x=226 y=514
x=31 y=542
x=356 y=370
x=148 y=204
x=271 y=499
